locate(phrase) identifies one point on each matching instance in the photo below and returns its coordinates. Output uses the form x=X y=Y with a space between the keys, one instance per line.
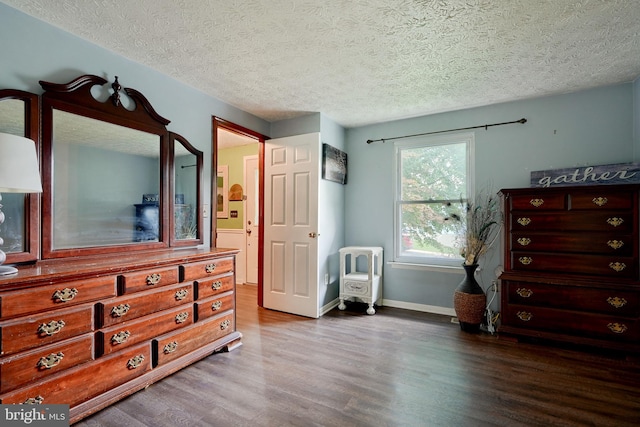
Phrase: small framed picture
x=334 y=164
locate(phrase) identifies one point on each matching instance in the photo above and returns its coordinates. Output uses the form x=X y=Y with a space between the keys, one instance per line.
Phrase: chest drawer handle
x=181 y=294
x=135 y=362
x=525 y=260
x=64 y=295
x=170 y=348
x=600 y=201
x=51 y=328
x=617 y=302
x=34 y=401
x=617 y=328
x=120 y=310
x=210 y=268
x=617 y=266
x=225 y=324
x=216 y=305
x=50 y=361
x=524 y=292
x=524 y=221
x=120 y=337
x=524 y=241
x=615 y=244
x=525 y=316
x=216 y=285
x=182 y=317
x=536 y=202
x=154 y=279
x=615 y=221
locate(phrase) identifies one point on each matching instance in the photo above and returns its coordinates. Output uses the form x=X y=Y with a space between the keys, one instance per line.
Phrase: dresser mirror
x=19 y=116
x=107 y=178
x=187 y=168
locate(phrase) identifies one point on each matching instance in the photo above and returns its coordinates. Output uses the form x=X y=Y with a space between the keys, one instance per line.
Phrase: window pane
x=434 y=173
x=429 y=229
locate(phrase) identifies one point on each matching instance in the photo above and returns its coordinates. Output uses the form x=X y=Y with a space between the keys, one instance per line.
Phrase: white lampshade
x=19 y=171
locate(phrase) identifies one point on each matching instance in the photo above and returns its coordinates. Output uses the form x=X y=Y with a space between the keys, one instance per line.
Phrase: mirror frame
x=173 y=139
x=76 y=97
x=31 y=201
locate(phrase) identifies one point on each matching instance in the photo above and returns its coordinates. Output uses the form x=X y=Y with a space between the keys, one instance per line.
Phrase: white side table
x=363 y=285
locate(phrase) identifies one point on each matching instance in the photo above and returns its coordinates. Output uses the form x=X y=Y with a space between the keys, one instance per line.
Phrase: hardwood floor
x=395 y=368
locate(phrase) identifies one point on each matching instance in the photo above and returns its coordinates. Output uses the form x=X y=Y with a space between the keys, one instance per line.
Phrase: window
x=432 y=183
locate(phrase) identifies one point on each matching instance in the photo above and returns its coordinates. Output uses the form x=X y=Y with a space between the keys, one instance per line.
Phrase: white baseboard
x=445 y=311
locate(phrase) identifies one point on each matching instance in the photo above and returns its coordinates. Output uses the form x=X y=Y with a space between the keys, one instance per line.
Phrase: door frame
x=219 y=123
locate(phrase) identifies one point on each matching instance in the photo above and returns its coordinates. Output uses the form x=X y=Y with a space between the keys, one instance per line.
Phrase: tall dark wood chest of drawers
x=89 y=331
x=571 y=265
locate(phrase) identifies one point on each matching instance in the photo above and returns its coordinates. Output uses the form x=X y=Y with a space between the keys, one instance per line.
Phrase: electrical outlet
x=205 y=211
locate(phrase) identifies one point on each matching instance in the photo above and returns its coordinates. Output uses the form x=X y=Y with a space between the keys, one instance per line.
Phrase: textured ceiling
x=364 y=61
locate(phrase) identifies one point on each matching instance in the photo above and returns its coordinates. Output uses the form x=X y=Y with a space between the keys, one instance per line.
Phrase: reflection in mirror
x=102 y=173
x=186 y=186
x=13 y=230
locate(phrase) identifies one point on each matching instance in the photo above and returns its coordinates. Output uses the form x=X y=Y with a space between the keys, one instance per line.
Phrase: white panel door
x=251 y=202
x=290 y=281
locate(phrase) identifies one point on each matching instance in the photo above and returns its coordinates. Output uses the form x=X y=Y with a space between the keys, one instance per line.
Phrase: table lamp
x=19 y=173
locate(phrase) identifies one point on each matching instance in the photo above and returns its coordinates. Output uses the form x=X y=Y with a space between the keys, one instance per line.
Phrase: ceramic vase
x=469 y=301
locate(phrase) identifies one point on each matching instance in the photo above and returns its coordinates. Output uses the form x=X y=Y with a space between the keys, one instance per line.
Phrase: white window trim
x=422 y=141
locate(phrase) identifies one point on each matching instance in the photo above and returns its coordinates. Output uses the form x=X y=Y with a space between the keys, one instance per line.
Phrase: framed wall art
x=222 y=193
x=334 y=164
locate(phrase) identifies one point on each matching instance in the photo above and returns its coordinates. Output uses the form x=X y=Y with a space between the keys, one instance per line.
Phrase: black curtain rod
x=522 y=121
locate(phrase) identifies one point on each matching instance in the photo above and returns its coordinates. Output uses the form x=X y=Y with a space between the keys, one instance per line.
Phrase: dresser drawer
x=85 y=381
x=621 y=222
x=572 y=322
x=603 y=199
x=215 y=286
x=214 y=305
x=539 y=201
x=597 y=300
x=148 y=279
x=133 y=332
x=19 y=303
x=140 y=304
x=594 y=243
x=599 y=265
x=203 y=269
x=171 y=346
x=29 y=366
x=33 y=331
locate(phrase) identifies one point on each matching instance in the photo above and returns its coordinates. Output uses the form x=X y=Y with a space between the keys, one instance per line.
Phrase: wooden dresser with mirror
x=95 y=313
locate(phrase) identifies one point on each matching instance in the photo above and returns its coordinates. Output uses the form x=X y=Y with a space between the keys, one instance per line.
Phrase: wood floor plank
x=395 y=368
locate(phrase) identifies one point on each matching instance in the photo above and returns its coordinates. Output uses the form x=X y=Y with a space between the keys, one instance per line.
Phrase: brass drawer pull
x=617 y=266
x=182 y=317
x=50 y=361
x=525 y=316
x=615 y=244
x=524 y=241
x=210 y=268
x=170 y=348
x=34 y=400
x=525 y=260
x=120 y=310
x=120 y=337
x=216 y=285
x=617 y=328
x=524 y=292
x=216 y=305
x=181 y=294
x=617 y=302
x=65 y=295
x=615 y=221
x=600 y=201
x=225 y=324
x=135 y=362
x=536 y=202
x=154 y=279
x=51 y=328
x=524 y=221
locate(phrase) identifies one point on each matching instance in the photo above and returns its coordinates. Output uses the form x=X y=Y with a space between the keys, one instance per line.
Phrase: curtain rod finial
x=369 y=141
x=523 y=120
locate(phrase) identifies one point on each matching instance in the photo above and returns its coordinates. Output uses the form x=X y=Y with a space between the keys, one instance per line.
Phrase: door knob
x=313 y=235
x=248 y=231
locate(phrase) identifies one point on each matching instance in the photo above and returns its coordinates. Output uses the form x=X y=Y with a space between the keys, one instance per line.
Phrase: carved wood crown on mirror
x=78 y=307
x=99 y=158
